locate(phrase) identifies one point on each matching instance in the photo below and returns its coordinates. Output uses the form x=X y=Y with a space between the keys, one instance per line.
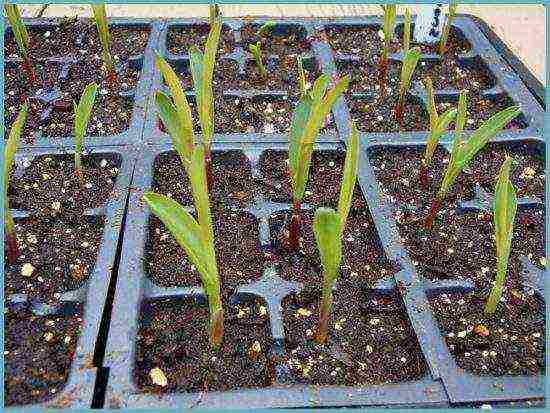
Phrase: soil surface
x=508 y=343
x=78 y=37
x=472 y=75
x=370 y=340
x=48 y=185
x=283 y=40
x=181 y=38
x=173 y=338
x=38 y=353
x=460 y=244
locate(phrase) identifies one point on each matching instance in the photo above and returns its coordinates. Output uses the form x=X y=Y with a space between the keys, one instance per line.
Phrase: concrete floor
x=522 y=27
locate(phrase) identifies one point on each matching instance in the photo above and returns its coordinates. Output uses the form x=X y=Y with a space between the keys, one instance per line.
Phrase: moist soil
x=78 y=37
x=283 y=40
x=38 y=352
x=47 y=185
x=181 y=38
x=173 y=337
x=240 y=259
x=460 y=244
x=370 y=340
x=508 y=343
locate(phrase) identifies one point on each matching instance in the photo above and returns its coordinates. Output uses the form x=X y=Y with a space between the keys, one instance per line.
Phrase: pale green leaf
x=181 y=136
x=11 y=145
x=83 y=112
x=350 y=174
x=100 y=16
x=327 y=227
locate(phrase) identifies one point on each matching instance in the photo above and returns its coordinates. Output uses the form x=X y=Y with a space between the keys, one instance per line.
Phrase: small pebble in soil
x=27 y=270
x=303 y=312
x=158 y=377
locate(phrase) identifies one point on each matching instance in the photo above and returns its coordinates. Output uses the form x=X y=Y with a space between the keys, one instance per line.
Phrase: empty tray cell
x=481 y=108
x=283 y=39
x=377 y=114
x=508 y=343
x=456 y=43
x=370 y=340
x=38 y=352
x=181 y=37
x=49 y=185
x=364 y=76
x=172 y=349
x=364 y=40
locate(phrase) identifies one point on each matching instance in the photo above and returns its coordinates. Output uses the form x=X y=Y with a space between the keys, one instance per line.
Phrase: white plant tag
x=429 y=23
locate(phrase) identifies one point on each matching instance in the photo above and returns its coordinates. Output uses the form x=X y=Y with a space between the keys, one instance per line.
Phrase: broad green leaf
x=182 y=137
x=504 y=213
x=81 y=118
x=350 y=175
x=436 y=132
x=327 y=227
x=207 y=95
x=100 y=16
x=11 y=145
x=266 y=28
x=407 y=69
x=299 y=120
x=407 y=30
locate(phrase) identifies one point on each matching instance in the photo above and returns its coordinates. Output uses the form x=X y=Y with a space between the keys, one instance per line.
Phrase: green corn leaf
x=407 y=30
x=299 y=121
x=11 y=145
x=320 y=108
x=213 y=13
x=19 y=30
x=266 y=28
x=256 y=51
x=447 y=28
x=350 y=175
x=436 y=132
x=430 y=105
x=390 y=17
x=82 y=114
x=327 y=227
x=504 y=213
x=301 y=77
x=100 y=16
x=182 y=137
x=407 y=69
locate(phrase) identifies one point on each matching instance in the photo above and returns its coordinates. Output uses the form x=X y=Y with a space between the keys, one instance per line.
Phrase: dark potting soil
x=450 y=73
x=48 y=184
x=361 y=40
x=283 y=40
x=38 y=353
x=377 y=114
x=508 y=343
x=172 y=345
x=370 y=340
x=57 y=255
x=181 y=38
x=364 y=75
x=78 y=37
x=460 y=244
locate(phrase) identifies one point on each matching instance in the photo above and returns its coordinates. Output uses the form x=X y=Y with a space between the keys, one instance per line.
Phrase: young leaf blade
x=19 y=30
x=407 y=69
x=390 y=16
x=100 y=16
x=266 y=28
x=407 y=30
x=327 y=227
x=350 y=175
x=83 y=111
x=11 y=145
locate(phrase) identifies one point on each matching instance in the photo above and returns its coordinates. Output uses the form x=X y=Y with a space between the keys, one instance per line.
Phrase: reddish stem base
x=112 y=78
x=434 y=209
x=12 y=249
x=31 y=74
x=399 y=113
x=294 y=228
x=423 y=176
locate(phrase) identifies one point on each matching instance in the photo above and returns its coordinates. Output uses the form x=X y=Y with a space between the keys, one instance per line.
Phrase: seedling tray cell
x=88 y=300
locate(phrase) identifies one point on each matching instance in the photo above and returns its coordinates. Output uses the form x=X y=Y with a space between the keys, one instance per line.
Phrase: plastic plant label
x=429 y=23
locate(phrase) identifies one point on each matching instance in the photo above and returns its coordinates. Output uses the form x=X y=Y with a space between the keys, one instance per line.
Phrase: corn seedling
x=266 y=28
x=21 y=37
x=390 y=15
x=202 y=69
x=256 y=51
x=407 y=30
x=9 y=156
x=307 y=120
x=504 y=212
x=100 y=16
x=196 y=237
x=447 y=28
x=213 y=13
x=82 y=113
x=407 y=69
x=328 y=227
x=463 y=152
x=302 y=77
x=438 y=126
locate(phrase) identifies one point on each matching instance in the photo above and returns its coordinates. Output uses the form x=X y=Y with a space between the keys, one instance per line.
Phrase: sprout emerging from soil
x=407 y=69
x=82 y=113
x=301 y=77
x=390 y=15
x=196 y=237
x=438 y=126
x=9 y=156
x=463 y=152
x=256 y=51
x=21 y=37
x=266 y=28
x=328 y=227
x=504 y=212
x=447 y=28
x=202 y=69
x=307 y=120
x=407 y=30
x=100 y=16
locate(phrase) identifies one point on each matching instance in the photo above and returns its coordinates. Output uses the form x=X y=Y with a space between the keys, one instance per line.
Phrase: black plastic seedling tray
x=92 y=295
x=445 y=381
x=138 y=95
